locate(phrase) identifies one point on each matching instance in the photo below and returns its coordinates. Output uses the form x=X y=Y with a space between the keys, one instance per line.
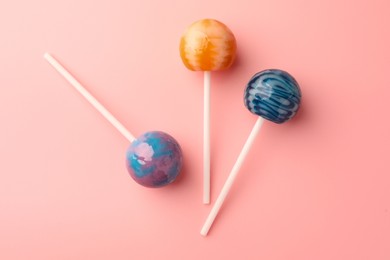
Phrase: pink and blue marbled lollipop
x=154 y=159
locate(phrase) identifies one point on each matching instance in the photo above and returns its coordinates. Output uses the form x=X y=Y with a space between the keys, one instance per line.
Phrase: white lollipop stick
x=206 y=138
x=91 y=99
x=232 y=176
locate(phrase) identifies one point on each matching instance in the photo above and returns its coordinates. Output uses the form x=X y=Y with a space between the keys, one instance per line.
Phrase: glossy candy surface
x=208 y=45
x=274 y=95
x=154 y=159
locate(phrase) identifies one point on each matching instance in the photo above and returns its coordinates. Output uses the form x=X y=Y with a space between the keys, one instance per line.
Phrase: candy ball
x=208 y=45
x=274 y=95
x=154 y=159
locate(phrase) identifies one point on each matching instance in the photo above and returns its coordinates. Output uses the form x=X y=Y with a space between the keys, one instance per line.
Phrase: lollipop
x=273 y=95
x=154 y=159
x=207 y=45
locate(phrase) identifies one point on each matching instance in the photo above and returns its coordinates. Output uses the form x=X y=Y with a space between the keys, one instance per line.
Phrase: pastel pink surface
x=317 y=187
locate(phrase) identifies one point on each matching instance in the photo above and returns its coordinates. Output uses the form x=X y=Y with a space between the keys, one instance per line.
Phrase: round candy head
x=208 y=45
x=154 y=159
x=273 y=94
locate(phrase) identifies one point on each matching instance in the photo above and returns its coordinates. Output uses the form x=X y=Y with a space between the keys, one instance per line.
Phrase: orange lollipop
x=207 y=45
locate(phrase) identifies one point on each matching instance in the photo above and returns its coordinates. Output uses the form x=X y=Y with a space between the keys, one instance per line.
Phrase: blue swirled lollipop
x=154 y=159
x=273 y=95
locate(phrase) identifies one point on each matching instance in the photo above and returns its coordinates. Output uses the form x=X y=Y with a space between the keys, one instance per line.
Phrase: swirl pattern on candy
x=208 y=45
x=154 y=159
x=273 y=94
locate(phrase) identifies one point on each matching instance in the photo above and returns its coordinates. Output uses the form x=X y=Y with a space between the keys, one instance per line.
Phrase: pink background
x=317 y=187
